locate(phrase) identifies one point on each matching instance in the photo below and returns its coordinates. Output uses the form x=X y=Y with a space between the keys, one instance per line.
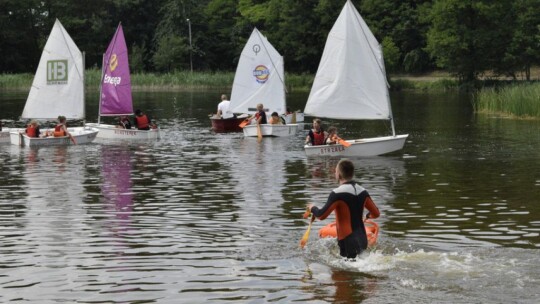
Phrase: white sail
x=259 y=78
x=58 y=86
x=351 y=81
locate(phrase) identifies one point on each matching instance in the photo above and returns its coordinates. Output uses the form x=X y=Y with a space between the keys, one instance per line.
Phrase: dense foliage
x=466 y=38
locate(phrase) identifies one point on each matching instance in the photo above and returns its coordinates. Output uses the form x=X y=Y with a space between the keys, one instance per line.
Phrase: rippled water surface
x=203 y=217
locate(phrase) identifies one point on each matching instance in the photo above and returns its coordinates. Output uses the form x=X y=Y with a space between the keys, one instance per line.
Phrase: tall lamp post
x=190 y=47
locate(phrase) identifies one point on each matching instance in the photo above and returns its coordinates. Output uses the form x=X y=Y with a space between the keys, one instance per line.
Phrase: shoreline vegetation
x=505 y=97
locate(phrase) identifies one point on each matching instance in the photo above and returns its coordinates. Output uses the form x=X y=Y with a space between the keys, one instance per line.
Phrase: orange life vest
x=142 y=121
x=58 y=131
x=31 y=131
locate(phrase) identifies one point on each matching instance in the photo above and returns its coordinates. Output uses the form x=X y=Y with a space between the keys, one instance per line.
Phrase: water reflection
x=116 y=167
x=200 y=216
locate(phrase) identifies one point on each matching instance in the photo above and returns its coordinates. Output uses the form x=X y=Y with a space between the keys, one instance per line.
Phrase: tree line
x=467 y=38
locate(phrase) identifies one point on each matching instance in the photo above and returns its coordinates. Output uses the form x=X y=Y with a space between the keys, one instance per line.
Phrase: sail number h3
x=57 y=72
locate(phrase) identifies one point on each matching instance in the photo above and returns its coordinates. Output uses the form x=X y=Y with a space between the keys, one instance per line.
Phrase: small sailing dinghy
x=351 y=84
x=115 y=97
x=57 y=89
x=260 y=78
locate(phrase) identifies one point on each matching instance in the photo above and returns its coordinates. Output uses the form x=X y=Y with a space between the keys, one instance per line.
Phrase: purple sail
x=116 y=82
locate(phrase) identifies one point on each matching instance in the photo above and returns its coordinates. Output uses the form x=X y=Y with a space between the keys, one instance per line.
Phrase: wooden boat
x=224 y=125
x=351 y=84
x=115 y=97
x=372 y=231
x=57 y=89
x=260 y=78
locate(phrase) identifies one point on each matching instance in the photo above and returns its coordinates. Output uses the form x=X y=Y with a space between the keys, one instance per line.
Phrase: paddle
x=259 y=133
x=305 y=238
x=293 y=119
x=343 y=142
x=245 y=122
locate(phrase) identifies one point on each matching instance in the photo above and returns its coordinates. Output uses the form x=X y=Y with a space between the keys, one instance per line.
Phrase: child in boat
x=275 y=119
x=348 y=202
x=317 y=135
x=32 y=130
x=332 y=138
x=124 y=122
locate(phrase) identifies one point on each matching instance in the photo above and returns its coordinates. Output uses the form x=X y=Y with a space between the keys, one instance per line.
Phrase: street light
x=190 y=47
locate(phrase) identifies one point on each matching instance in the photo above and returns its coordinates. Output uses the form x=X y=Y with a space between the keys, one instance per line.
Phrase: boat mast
x=84 y=88
x=383 y=69
x=100 y=87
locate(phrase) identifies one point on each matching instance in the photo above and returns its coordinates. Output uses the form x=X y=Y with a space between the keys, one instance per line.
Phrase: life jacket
x=31 y=131
x=263 y=115
x=318 y=138
x=142 y=121
x=58 y=131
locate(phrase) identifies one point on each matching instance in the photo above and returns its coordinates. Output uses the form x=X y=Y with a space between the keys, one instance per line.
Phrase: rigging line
x=359 y=18
x=264 y=45
x=69 y=49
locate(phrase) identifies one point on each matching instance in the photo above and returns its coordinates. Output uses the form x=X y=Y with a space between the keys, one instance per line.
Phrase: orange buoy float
x=372 y=231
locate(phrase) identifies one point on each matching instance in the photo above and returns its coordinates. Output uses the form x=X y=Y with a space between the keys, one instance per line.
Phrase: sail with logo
x=115 y=94
x=57 y=90
x=260 y=78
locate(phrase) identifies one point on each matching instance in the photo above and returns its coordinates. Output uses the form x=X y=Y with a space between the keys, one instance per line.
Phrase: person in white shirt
x=223 y=107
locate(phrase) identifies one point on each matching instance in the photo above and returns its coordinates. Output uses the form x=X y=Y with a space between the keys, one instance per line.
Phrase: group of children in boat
x=60 y=129
x=275 y=118
x=141 y=121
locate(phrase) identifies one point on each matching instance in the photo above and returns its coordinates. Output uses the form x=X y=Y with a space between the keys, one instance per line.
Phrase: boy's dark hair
x=346 y=169
x=138 y=112
x=274 y=114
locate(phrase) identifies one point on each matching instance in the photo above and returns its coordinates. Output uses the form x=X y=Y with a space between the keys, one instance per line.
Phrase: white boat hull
x=271 y=130
x=360 y=147
x=299 y=118
x=111 y=132
x=4 y=134
x=82 y=135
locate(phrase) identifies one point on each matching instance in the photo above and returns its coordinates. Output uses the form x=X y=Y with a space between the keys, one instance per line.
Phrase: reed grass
x=16 y=81
x=520 y=100
x=185 y=80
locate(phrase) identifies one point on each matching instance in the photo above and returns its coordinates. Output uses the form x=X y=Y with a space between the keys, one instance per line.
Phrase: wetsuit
x=348 y=202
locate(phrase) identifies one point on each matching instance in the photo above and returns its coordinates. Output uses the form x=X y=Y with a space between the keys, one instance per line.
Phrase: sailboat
x=260 y=78
x=57 y=89
x=351 y=84
x=115 y=97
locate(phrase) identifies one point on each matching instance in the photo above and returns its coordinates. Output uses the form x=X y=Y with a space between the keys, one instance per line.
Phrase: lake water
x=203 y=217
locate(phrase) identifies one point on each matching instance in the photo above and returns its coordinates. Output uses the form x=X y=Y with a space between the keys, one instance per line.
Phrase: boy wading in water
x=348 y=202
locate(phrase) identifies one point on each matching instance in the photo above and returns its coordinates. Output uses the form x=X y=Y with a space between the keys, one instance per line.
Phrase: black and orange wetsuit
x=348 y=202
x=316 y=138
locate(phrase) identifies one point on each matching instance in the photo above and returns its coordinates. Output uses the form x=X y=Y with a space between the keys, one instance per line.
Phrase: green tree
x=171 y=53
x=22 y=35
x=401 y=21
x=524 y=49
x=468 y=38
x=137 y=58
x=391 y=54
